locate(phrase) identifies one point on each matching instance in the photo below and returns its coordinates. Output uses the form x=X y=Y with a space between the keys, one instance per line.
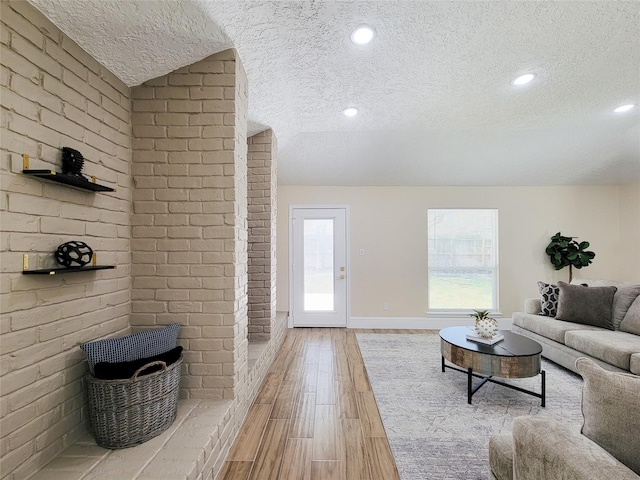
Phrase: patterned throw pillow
x=132 y=347
x=549 y=300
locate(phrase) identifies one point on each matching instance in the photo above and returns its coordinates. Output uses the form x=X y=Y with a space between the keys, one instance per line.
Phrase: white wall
x=630 y=232
x=390 y=224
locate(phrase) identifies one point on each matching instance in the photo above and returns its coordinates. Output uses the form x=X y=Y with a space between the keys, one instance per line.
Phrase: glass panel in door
x=319 y=271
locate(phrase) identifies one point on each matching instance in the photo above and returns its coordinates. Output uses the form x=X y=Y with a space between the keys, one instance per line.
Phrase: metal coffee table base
x=473 y=389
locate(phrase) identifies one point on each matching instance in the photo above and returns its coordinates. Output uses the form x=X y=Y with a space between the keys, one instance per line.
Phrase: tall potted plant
x=565 y=251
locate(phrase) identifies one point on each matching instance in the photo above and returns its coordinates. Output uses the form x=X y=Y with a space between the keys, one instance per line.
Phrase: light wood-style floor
x=315 y=416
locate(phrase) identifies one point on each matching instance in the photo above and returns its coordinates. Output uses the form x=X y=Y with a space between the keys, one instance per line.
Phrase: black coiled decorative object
x=72 y=162
x=74 y=254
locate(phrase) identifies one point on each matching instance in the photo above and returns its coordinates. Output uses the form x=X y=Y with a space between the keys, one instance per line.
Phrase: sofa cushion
x=588 y=305
x=622 y=301
x=501 y=456
x=625 y=295
x=611 y=347
x=611 y=411
x=631 y=321
x=548 y=299
x=548 y=327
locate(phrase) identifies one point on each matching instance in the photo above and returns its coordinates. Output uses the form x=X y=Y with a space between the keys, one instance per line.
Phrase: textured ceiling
x=433 y=88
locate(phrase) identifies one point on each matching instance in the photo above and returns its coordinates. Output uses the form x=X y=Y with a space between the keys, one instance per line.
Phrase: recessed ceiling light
x=362 y=35
x=624 y=108
x=523 y=79
x=350 y=112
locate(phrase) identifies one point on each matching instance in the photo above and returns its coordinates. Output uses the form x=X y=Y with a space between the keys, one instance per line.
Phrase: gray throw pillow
x=611 y=411
x=631 y=321
x=622 y=300
x=586 y=305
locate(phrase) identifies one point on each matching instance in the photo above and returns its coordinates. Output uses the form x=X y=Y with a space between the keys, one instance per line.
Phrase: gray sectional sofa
x=585 y=327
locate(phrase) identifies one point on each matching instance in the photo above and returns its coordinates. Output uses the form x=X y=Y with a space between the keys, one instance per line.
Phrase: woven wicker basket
x=125 y=413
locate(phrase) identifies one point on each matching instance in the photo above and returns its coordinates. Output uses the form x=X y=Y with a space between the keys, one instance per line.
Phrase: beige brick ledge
x=255 y=352
x=192 y=448
x=185 y=451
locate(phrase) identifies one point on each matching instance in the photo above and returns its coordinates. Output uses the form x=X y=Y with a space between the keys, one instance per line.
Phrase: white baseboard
x=405 y=323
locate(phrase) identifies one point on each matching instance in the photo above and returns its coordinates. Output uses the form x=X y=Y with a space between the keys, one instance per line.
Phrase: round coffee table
x=514 y=357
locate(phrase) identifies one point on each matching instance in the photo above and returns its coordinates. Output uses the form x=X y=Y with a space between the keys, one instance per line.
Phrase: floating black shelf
x=53 y=271
x=76 y=181
x=72 y=180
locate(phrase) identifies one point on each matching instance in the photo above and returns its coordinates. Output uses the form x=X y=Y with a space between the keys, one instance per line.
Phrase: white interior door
x=319 y=276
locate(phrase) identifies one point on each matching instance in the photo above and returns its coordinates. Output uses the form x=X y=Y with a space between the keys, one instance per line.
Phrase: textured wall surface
x=54 y=94
x=433 y=87
x=262 y=168
x=189 y=231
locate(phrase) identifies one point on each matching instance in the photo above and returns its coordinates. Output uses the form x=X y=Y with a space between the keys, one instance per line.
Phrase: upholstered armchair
x=607 y=447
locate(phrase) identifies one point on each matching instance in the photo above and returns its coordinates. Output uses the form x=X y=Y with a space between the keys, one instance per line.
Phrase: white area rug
x=433 y=432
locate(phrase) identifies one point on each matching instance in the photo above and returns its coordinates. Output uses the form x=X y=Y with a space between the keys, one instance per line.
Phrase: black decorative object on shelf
x=72 y=162
x=74 y=254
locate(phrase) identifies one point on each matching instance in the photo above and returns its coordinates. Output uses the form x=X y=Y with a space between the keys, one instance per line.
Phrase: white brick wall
x=189 y=245
x=262 y=153
x=176 y=228
x=53 y=94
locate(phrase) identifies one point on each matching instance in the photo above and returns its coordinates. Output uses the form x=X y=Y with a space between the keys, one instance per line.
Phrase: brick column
x=189 y=222
x=261 y=156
